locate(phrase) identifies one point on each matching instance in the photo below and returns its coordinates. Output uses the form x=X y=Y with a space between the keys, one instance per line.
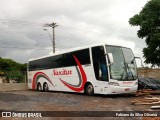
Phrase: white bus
x=97 y=69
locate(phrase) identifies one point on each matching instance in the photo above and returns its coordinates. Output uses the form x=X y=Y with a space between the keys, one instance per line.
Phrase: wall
x=149 y=73
x=1 y=80
x=13 y=86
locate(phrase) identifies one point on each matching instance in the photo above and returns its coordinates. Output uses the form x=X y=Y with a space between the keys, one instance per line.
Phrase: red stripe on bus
x=83 y=75
x=34 y=83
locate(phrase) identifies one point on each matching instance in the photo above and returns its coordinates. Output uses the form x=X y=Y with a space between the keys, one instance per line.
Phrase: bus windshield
x=124 y=66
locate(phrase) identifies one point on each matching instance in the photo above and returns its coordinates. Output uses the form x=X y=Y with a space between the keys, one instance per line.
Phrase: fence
x=149 y=73
x=13 y=86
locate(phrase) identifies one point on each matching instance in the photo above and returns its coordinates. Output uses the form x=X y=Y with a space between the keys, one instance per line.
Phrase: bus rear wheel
x=89 y=90
x=45 y=87
x=39 y=87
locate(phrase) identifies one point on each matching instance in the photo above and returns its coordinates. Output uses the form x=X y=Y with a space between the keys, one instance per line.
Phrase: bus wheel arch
x=39 y=86
x=45 y=87
x=89 y=89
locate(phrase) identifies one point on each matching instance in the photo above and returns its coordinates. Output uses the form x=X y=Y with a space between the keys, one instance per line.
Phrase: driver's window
x=103 y=69
x=99 y=63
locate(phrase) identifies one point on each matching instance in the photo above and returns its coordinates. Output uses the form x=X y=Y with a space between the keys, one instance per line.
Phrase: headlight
x=114 y=83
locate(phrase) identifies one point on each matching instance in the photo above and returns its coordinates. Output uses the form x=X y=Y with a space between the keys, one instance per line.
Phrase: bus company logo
x=62 y=72
x=127 y=82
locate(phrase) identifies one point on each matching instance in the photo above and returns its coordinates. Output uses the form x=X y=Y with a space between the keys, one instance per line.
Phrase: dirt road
x=57 y=101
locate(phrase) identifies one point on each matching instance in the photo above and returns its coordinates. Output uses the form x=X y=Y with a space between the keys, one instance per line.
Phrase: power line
x=39 y=47
x=68 y=27
x=20 y=32
x=20 y=22
x=66 y=37
x=40 y=24
x=45 y=45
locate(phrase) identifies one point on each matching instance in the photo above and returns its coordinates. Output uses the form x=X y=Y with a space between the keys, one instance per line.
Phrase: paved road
x=57 y=101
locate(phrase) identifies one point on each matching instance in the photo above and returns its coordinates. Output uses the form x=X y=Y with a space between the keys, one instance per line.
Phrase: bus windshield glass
x=124 y=66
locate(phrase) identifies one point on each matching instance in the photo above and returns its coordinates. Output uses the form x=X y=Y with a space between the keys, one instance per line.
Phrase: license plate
x=127 y=89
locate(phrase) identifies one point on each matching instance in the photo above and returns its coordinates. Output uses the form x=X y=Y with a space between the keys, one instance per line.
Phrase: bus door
x=100 y=70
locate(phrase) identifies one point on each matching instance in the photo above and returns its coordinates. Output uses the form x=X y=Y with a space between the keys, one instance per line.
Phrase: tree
x=15 y=75
x=13 y=70
x=149 y=21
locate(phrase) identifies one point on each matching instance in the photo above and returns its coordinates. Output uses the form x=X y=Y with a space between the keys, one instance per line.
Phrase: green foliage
x=13 y=70
x=149 y=21
x=15 y=75
x=3 y=65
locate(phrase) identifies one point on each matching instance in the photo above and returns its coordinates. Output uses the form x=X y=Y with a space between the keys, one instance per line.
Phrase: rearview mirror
x=140 y=59
x=110 y=58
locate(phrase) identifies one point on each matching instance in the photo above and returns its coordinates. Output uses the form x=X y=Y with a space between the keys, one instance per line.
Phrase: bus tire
x=45 y=87
x=39 y=87
x=89 y=90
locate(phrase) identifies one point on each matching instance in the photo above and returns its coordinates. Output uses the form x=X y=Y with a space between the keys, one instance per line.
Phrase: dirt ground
x=58 y=101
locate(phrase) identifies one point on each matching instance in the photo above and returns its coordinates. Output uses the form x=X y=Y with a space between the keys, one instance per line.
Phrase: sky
x=80 y=23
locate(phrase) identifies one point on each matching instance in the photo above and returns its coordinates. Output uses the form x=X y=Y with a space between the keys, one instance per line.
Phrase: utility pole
x=52 y=25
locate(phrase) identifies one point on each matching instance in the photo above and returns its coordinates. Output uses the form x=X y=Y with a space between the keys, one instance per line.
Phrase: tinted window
x=64 y=60
x=99 y=63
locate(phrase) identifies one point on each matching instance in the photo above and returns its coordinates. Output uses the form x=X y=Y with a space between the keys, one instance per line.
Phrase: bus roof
x=70 y=50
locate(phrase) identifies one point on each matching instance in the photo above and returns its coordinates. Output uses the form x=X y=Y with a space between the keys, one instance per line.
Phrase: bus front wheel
x=89 y=90
x=45 y=87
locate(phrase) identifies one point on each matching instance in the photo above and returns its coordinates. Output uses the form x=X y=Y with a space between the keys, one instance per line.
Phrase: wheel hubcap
x=90 y=88
x=45 y=87
x=39 y=87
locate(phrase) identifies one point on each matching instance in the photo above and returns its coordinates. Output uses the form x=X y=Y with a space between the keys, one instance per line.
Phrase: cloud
x=80 y=23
